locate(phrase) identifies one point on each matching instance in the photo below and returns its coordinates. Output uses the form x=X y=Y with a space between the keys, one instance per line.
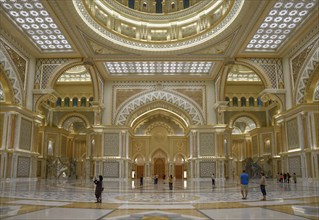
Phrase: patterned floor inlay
x=193 y=200
x=248 y=213
x=156 y=214
x=39 y=202
x=161 y=206
x=63 y=213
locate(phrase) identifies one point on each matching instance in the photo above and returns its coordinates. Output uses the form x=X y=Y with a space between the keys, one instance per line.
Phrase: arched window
x=66 y=102
x=259 y=102
x=131 y=4
x=227 y=100
x=243 y=101
x=173 y=5
x=75 y=102
x=186 y=3
x=58 y=102
x=251 y=101
x=159 y=6
x=90 y=101
x=83 y=102
x=235 y=101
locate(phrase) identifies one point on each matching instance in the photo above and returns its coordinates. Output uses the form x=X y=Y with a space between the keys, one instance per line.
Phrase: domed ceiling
x=127 y=38
x=158 y=32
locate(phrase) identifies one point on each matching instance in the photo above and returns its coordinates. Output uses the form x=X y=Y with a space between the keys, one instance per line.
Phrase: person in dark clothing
x=288 y=177
x=99 y=189
x=141 y=181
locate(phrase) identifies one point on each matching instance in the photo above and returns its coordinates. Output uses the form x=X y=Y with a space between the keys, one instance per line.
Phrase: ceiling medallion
x=148 y=32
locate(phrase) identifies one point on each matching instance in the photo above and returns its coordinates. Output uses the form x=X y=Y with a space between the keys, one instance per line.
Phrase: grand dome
x=158 y=31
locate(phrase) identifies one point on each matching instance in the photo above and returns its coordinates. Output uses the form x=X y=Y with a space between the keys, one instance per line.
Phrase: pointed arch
x=182 y=155
x=168 y=100
x=158 y=150
x=138 y=154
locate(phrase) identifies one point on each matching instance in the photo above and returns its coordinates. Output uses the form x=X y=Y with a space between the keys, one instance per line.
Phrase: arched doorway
x=179 y=166
x=159 y=167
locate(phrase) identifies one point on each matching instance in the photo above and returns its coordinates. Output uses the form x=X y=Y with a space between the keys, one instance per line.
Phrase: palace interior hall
x=138 y=90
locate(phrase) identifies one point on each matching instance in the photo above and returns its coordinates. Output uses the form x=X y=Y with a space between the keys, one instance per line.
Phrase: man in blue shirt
x=244 y=179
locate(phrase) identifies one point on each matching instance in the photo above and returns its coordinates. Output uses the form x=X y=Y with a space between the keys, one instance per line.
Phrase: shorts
x=244 y=187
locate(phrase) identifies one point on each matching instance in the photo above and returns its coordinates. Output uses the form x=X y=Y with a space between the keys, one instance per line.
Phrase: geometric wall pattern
x=9 y=70
x=111 y=144
x=206 y=144
x=316 y=93
x=273 y=68
x=306 y=74
x=23 y=166
x=25 y=134
x=207 y=168
x=44 y=70
x=293 y=134
x=19 y=62
x=177 y=100
x=111 y=169
x=294 y=165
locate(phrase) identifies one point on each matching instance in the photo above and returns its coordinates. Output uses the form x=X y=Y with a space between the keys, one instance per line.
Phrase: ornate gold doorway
x=159 y=167
x=139 y=171
x=178 y=171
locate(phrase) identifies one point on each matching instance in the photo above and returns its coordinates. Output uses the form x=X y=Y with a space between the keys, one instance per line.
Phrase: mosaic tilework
x=316 y=93
x=19 y=62
x=44 y=70
x=207 y=168
x=273 y=68
x=23 y=166
x=11 y=75
x=111 y=144
x=181 y=102
x=111 y=169
x=306 y=74
x=25 y=134
x=293 y=134
x=206 y=144
x=294 y=165
x=298 y=61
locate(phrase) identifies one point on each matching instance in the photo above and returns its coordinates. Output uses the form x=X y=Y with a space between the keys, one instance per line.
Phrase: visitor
x=244 y=180
x=213 y=179
x=294 y=177
x=285 y=177
x=98 y=189
x=288 y=177
x=262 y=184
x=278 y=177
x=141 y=180
x=170 y=182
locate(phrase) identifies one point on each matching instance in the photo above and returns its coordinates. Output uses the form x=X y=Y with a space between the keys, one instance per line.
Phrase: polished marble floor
x=64 y=199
